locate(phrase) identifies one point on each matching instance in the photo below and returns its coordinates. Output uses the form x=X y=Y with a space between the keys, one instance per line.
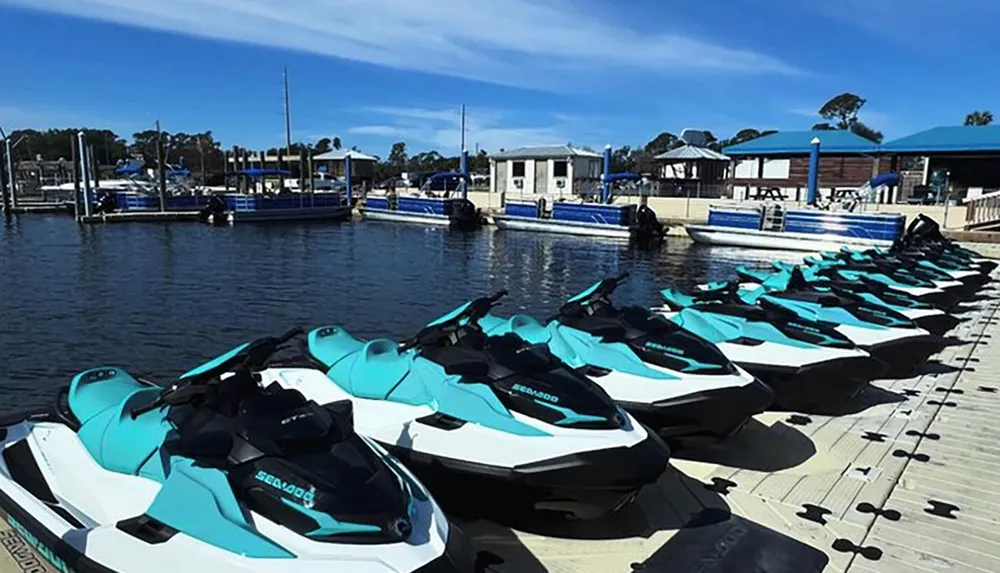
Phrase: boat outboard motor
x=646 y=226
x=214 y=210
x=107 y=203
x=463 y=214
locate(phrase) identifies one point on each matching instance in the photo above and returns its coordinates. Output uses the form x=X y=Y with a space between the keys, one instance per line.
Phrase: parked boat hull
x=562 y=227
x=784 y=241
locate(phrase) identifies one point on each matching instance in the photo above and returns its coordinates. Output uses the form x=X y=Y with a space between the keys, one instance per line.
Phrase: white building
x=549 y=170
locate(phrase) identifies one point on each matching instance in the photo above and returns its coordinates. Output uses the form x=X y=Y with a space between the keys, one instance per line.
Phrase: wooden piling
x=161 y=167
x=77 y=203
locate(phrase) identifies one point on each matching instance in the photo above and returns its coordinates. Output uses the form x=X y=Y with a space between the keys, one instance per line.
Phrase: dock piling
x=77 y=204
x=464 y=167
x=161 y=168
x=3 y=191
x=11 y=174
x=606 y=176
x=347 y=175
x=84 y=167
x=811 y=195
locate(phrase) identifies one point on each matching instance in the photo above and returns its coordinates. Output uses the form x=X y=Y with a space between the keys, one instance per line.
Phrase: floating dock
x=141 y=217
x=903 y=480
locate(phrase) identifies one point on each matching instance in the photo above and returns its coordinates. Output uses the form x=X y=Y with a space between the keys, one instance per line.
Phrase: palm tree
x=979 y=118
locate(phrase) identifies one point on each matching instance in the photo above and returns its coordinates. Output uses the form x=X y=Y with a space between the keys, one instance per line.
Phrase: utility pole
x=77 y=203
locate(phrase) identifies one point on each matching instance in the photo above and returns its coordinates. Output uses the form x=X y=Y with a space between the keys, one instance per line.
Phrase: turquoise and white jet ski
x=924 y=315
x=671 y=380
x=808 y=365
x=487 y=422
x=884 y=333
x=214 y=473
x=943 y=294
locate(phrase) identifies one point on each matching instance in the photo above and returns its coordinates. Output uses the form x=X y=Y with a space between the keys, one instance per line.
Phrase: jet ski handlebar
x=250 y=358
x=471 y=313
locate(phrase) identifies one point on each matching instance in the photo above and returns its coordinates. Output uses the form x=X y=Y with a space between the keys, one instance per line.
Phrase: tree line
x=203 y=153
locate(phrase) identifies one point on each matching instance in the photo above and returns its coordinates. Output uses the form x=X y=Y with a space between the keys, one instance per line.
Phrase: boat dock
x=903 y=480
x=141 y=217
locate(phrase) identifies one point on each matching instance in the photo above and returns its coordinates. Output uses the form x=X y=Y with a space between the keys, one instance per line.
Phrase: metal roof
x=799 y=143
x=545 y=152
x=691 y=152
x=340 y=154
x=953 y=138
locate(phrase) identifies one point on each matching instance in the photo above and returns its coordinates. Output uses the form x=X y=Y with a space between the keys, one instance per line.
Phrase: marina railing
x=983 y=212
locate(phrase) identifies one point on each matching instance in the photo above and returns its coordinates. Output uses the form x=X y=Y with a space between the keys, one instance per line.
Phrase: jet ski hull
x=583 y=485
x=814 y=386
x=93 y=520
x=906 y=357
x=704 y=417
x=938 y=324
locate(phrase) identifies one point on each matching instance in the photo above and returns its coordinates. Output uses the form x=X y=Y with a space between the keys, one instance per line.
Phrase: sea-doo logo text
x=536 y=393
x=34 y=542
x=662 y=348
x=306 y=495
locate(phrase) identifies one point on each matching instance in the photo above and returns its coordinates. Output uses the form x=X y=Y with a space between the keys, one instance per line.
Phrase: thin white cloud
x=528 y=43
x=441 y=129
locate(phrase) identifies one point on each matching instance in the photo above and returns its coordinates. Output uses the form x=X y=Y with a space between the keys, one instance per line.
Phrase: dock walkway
x=903 y=480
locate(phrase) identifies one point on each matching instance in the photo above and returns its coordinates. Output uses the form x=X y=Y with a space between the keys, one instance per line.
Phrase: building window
x=517 y=169
x=560 y=169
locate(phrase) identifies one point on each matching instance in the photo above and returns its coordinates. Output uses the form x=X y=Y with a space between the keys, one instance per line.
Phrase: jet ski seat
x=103 y=400
x=378 y=368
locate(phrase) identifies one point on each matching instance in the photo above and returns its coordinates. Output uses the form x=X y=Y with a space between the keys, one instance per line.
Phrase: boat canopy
x=129 y=169
x=258 y=172
x=884 y=179
x=614 y=177
x=447 y=175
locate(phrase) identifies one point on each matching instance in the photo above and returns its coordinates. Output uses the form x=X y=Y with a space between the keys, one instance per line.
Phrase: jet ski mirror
x=449 y=326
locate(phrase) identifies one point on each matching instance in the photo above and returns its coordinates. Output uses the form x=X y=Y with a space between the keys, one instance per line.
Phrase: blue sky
x=530 y=71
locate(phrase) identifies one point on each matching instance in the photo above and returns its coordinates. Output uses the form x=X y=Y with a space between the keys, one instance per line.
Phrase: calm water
x=160 y=299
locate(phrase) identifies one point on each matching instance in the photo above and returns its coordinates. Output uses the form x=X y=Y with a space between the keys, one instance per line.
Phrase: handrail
x=982 y=211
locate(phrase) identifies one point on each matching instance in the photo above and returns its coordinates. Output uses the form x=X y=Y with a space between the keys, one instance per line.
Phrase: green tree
x=336 y=143
x=843 y=109
x=841 y=113
x=322 y=146
x=979 y=118
x=398 y=158
x=662 y=143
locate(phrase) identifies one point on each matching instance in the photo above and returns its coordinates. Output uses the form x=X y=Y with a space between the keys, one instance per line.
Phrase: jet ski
x=492 y=422
x=924 y=315
x=924 y=235
x=669 y=379
x=885 y=333
x=940 y=271
x=808 y=365
x=942 y=294
x=214 y=473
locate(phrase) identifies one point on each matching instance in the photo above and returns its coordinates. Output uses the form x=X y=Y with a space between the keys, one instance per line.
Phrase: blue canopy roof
x=258 y=172
x=885 y=179
x=447 y=175
x=623 y=177
x=800 y=143
x=953 y=138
